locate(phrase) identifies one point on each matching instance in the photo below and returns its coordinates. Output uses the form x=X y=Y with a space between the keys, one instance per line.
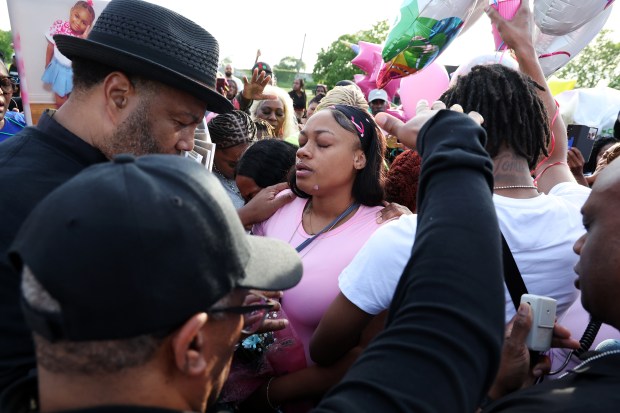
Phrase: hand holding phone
x=543 y=319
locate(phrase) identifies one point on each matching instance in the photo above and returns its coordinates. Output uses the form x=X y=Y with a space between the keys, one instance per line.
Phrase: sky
x=278 y=27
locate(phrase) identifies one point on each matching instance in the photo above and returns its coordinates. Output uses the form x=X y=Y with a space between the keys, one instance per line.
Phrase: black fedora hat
x=144 y=39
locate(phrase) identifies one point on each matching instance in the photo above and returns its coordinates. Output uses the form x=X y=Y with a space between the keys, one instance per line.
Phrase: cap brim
x=77 y=47
x=274 y=265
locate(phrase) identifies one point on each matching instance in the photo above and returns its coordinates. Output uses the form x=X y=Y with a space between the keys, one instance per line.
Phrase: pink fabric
x=61 y=27
x=323 y=260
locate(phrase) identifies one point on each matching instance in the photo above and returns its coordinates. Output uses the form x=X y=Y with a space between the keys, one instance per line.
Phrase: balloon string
x=555 y=116
x=554 y=54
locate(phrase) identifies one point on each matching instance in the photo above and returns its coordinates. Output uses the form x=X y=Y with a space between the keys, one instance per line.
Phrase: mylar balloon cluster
x=369 y=60
x=423 y=29
x=557 y=44
x=560 y=17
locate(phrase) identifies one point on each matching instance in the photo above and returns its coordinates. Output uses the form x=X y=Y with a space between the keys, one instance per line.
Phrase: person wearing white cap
x=378 y=100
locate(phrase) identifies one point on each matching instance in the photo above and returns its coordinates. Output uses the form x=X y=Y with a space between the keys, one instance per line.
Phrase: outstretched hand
x=407 y=133
x=253 y=89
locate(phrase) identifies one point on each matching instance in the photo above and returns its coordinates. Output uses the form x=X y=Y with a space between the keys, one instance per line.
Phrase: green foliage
x=600 y=60
x=5 y=45
x=334 y=64
x=285 y=77
x=290 y=63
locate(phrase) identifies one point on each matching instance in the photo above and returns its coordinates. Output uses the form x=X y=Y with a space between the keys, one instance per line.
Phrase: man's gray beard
x=133 y=136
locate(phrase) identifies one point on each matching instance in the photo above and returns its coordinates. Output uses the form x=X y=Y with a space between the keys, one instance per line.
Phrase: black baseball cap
x=138 y=246
x=262 y=66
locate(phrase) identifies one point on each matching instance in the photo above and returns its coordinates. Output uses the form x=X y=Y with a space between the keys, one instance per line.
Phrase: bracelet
x=274 y=408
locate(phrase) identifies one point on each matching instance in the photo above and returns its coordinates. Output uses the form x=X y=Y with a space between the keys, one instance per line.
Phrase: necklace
x=230 y=184
x=515 y=187
x=327 y=228
x=307 y=210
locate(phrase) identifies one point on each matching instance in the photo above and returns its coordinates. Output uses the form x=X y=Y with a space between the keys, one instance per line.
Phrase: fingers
x=493 y=15
x=392 y=211
x=457 y=108
x=476 y=117
x=276 y=295
x=542 y=366
x=421 y=106
x=562 y=338
x=272 y=325
x=522 y=325
x=279 y=187
x=389 y=123
x=438 y=105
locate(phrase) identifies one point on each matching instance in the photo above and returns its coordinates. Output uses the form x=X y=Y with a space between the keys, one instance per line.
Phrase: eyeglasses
x=6 y=84
x=255 y=310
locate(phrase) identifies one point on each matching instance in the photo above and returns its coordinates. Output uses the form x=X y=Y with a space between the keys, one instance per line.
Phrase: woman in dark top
x=298 y=94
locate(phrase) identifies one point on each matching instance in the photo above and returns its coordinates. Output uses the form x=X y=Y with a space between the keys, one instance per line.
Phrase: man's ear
x=188 y=345
x=359 y=160
x=119 y=92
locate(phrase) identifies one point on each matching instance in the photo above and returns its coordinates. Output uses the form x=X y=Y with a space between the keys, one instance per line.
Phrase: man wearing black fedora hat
x=143 y=80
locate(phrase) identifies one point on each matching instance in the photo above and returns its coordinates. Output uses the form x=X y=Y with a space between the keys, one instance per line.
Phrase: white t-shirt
x=540 y=231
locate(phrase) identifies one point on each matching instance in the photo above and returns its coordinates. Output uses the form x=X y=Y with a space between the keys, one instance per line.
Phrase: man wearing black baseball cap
x=142 y=82
x=134 y=274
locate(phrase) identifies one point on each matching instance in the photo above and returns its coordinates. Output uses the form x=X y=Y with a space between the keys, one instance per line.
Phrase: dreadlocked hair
x=514 y=115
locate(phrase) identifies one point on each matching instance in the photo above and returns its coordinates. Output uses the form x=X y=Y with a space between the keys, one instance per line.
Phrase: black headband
x=362 y=121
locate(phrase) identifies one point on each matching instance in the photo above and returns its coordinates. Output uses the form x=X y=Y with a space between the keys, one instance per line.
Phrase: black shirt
x=32 y=164
x=299 y=102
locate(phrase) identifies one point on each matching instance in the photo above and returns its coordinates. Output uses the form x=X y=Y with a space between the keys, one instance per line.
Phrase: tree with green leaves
x=291 y=63
x=334 y=64
x=598 y=61
x=5 y=45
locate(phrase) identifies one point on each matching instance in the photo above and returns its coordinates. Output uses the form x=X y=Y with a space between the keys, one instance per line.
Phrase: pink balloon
x=428 y=83
x=365 y=58
x=398 y=113
x=377 y=61
x=364 y=83
x=392 y=87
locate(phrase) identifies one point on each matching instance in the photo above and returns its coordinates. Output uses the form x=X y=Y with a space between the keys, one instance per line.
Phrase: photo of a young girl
x=58 y=73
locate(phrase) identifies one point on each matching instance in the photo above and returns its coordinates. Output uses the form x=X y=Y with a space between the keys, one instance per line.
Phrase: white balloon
x=555 y=51
x=502 y=58
x=475 y=15
x=560 y=17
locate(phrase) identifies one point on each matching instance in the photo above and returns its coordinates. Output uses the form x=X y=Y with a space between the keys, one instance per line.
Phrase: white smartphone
x=543 y=318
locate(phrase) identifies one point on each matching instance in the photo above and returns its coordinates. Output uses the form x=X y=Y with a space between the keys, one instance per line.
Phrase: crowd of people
x=309 y=270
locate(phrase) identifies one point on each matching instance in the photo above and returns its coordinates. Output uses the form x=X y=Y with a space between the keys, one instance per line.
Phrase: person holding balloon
x=539 y=219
